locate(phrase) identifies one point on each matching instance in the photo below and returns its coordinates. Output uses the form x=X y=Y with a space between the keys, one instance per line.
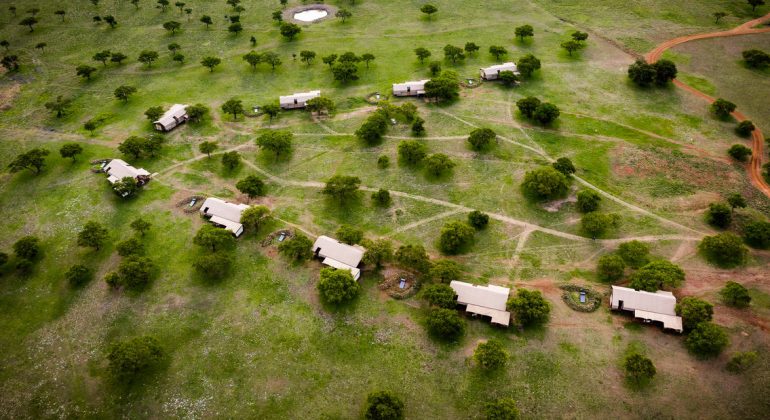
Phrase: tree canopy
x=277 y=142
x=337 y=286
x=694 y=311
x=735 y=294
x=657 y=275
x=455 y=237
x=529 y=307
x=490 y=355
x=545 y=183
x=383 y=405
x=724 y=250
x=92 y=235
x=707 y=340
x=445 y=324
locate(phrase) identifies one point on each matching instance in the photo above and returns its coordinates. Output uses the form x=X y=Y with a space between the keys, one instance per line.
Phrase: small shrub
x=383 y=405
x=610 y=268
x=349 y=234
x=735 y=294
x=478 y=219
x=639 y=369
x=78 y=275
x=741 y=361
x=707 y=340
x=129 y=358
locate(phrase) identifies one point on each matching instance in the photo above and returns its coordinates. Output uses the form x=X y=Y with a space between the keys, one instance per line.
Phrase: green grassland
x=260 y=344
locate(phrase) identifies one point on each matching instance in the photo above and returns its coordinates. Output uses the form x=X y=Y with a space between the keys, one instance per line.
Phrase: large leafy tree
x=252 y=186
x=213 y=237
x=60 y=106
x=657 y=275
x=694 y=311
x=233 y=106
x=639 y=369
x=724 y=250
x=342 y=187
x=545 y=183
x=491 y=355
x=445 y=324
x=93 y=235
x=32 y=159
x=337 y=286
x=524 y=31
x=501 y=409
x=70 y=150
x=529 y=307
x=610 y=268
x=481 y=138
x=735 y=294
x=297 y=248
x=413 y=256
x=440 y=295
x=634 y=253
x=254 y=216
x=707 y=340
x=131 y=357
x=383 y=405
x=276 y=142
x=455 y=236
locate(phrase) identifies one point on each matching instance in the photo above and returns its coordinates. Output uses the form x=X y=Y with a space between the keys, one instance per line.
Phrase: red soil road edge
x=755 y=166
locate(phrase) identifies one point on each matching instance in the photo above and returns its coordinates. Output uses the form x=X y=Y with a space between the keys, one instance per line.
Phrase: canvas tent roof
x=331 y=248
x=669 y=321
x=331 y=262
x=118 y=169
x=224 y=213
x=301 y=97
x=483 y=300
x=416 y=85
x=660 y=302
x=493 y=70
x=176 y=110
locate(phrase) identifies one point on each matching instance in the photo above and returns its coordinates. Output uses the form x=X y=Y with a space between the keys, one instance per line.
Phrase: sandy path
x=755 y=166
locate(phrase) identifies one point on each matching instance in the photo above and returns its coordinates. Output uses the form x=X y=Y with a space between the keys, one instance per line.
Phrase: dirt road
x=748 y=28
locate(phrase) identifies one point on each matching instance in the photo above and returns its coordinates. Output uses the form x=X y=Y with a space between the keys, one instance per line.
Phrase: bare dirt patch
x=288 y=14
x=8 y=95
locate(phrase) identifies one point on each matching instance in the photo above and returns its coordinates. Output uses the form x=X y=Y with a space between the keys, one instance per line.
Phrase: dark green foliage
x=134 y=272
x=665 y=71
x=735 y=294
x=231 y=160
x=418 y=127
x=381 y=197
x=154 y=113
x=210 y=236
x=610 y=268
x=455 y=237
x=233 y=106
x=60 y=106
x=429 y=10
x=694 y=311
x=719 y=215
x=579 y=36
x=491 y=355
x=739 y=152
x=290 y=30
x=337 y=286
x=277 y=142
x=741 y=361
x=722 y=108
x=641 y=73
x=78 y=275
x=126 y=186
x=565 y=166
x=412 y=152
x=528 y=64
x=735 y=200
x=725 y=250
x=497 y=51
x=33 y=159
x=529 y=307
x=443 y=87
x=377 y=252
x=471 y=48
x=445 y=324
x=546 y=113
x=131 y=246
x=756 y=58
x=707 y=340
x=320 y=105
x=595 y=224
x=757 y=234
x=92 y=235
x=481 y=138
x=383 y=405
x=342 y=188
x=373 y=128
x=413 y=256
x=527 y=106
x=744 y=128
x=235 y=27
x=571 y=46
x=634 y=253
x=508 y=78
x=656 y=275
x=254 y=216
x=422 y=54
x=755 y=3
x=438 y=164
x=345 y=72
x=440 y=295
x=478 y=219
x=210 y=62
x=196 y=112
x=130 y=357
x=524 y=31
x=349 y=235
x=545 y=183
x=588 y=201
x=147 y=57
x=639 y=369
x=70 y=150
x=383 y=162
x=140 y=225
x=297 y=248
x=502 y=409
x=445 y=271
x=252 y=186
x=434 y=67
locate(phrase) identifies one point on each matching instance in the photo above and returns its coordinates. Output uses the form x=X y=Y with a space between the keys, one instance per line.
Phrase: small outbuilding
x=118 y=169
x=414 y=88
x=224 y=214
x=486 y=301
x=175 y=116
x=493 y=72
x=650 y=307
x=339 y=255
x=298 y=100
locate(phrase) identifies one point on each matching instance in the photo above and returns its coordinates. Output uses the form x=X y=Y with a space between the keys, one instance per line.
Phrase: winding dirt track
x=755 y=166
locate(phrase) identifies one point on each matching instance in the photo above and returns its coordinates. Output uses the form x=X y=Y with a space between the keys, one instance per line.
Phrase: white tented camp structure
x=486 y=301
x=224 y=214
x=493 y=72
x=298 y=100
x=176 y=115
x=414 y=88
x=647 y=306
x=339 y=255
x=118 y=169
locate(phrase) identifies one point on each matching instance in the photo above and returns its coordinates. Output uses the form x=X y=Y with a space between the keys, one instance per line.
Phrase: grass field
x=260 y=343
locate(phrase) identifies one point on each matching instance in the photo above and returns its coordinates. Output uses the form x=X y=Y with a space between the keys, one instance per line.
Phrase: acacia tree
x=140 y=225
x=343 y=14
x=70 y=150
x=422 y=53
x=524 y=31
x=172 y=26
x=497 y=51
x=290 y=30
x=206 y=20
x=208 y=147
x=210 y=63
x=276 y=142
x=233 y=106
x=337 y=286
x=231 y=160
x=252 y=186
x=92 y=235
x=84 y=70
x=342 y=188
x=210 y=236
x=124 y=92
x=30 y=21
x=33 y=159
x=429 y=10
x=147 y=57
